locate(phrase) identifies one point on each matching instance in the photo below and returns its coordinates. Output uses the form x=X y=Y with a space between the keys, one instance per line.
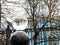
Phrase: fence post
x=8 y=32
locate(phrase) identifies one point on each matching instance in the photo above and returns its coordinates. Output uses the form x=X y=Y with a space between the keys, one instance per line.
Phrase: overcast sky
x=17 y=9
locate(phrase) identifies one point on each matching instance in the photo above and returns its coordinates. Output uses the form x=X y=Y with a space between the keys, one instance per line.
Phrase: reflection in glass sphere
x=3 y=24
x=20 y=22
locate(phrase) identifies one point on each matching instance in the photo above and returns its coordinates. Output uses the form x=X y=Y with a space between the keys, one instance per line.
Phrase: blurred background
x=43 y=18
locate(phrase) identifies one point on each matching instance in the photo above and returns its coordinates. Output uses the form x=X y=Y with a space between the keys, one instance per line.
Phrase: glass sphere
x=20 y=22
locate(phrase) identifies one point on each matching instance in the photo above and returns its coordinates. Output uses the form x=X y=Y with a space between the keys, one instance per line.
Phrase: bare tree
x=52 y=7
x=33 y=10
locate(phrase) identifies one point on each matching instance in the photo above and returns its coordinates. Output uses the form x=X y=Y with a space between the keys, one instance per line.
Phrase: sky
x=15 y=8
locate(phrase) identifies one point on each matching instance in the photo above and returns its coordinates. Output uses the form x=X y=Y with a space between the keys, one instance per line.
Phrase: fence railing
x=42 y=40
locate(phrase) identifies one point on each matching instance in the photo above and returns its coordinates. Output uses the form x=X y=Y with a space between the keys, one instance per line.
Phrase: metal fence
x=44 y=38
